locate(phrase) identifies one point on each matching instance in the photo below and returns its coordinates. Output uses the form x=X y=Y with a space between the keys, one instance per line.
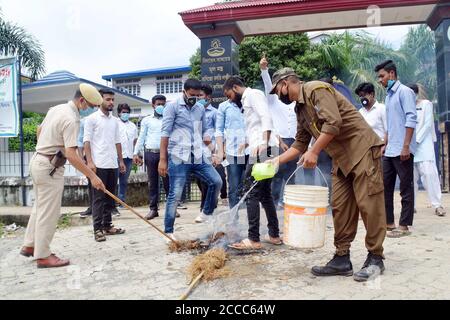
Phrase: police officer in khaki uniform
x=340 y=130
x=57 y=140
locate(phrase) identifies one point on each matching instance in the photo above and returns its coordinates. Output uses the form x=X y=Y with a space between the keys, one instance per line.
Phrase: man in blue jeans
x=183 y=128
x=230 y=126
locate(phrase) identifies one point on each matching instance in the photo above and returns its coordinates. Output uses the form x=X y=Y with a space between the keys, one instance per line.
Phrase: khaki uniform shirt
x=320 y=108
x=59 y=129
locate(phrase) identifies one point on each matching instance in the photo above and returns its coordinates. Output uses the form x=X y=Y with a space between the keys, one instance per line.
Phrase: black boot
x=152 y=214
x=338 y=266
x=372 y=268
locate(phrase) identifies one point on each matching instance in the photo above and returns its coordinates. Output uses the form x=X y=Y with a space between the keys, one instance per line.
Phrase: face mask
x=364 y=102
x=238 y=99
x=125 y=117
x=87 y=112
x=284 y=98
x=190 y=101
x=203 y=102
x=159 y=110
x=390 y=84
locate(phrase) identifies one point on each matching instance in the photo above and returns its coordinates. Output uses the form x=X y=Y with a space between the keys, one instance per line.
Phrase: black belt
x=152 y=150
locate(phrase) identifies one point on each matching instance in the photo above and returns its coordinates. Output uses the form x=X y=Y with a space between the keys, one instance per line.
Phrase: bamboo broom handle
x=193 y=283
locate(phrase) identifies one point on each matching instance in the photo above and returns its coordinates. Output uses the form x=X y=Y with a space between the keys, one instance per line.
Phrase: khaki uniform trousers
x=47 y=205
x=361 y=192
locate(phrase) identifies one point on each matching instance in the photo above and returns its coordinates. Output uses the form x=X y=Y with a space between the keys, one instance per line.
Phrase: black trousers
x=261 y=193
x=393 y=166
x=102 y=204
x=151 y=162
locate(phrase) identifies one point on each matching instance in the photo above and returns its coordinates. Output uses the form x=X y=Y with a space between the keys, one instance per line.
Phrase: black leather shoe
x=372 y=268
x=152 y=215
x=338 y=266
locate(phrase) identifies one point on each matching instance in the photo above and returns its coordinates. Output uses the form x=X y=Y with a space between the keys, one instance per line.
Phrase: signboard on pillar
x=9 y=120
x=219 y=61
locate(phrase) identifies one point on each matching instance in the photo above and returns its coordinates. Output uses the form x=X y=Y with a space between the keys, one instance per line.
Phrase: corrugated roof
x=239 y=4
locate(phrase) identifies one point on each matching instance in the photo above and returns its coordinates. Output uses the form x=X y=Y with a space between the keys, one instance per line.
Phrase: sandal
x=398 y=233
x=114 y=231
x=99 y=236
x=270 y=240
x=245 y=244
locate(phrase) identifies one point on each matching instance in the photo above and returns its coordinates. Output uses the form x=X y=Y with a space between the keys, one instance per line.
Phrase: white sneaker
x=202 y=218
x=171 y=236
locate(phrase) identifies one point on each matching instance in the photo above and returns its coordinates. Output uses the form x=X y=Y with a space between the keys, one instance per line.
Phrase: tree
x=352 y=58
x=419 y=47
x=288 y=50
x=16 y=41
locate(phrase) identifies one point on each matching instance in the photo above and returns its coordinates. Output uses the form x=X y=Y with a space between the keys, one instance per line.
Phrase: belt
x=49 y=157
x=152 y=150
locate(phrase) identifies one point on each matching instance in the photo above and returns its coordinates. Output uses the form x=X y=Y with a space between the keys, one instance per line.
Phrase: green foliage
x=419 y=47
x=1 y=229
x=31 y=121
x=16 y=41
x=195 y=62
x=286 y=50
x=64 y=221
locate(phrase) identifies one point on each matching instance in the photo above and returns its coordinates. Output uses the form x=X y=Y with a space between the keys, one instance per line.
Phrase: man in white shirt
x=128 y=138
x=285 y=127
x=372 y=111
x=261 y=143
x=103 y=147
x=424 y=160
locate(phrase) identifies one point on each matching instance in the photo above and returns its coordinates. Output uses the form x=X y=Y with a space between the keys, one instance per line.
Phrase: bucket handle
x=301 y=166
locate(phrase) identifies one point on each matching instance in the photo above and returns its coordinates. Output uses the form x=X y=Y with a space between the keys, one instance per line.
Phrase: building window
x=136 y=110
x=169 y=87
x=134 y=89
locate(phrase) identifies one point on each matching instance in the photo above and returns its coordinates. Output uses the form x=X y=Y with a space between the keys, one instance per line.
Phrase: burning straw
x=209 y=266
x=185 y=245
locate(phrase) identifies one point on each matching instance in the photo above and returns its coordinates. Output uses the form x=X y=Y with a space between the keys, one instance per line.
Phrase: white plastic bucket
x=305 y=212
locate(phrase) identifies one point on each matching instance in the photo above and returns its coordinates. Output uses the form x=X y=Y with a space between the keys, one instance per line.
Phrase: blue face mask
x=125 y=117
x=390 y=84
x=87 y=112
x=159 y=110
x=203 y=102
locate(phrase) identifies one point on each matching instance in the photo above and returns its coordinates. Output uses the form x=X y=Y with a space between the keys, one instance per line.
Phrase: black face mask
x=365 y=102
x=238 y=99
x=285 y=99
x=190 y=101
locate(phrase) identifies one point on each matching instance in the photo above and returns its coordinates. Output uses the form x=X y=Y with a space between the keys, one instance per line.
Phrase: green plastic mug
x=262 y=171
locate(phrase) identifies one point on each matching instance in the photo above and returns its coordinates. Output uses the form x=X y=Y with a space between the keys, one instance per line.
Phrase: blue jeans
x=123 y=179
x=235 y=175
x=178 y=173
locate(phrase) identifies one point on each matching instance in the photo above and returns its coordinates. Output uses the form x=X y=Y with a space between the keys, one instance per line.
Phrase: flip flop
x=398 y=233
x=245 y=244
x=269 y=240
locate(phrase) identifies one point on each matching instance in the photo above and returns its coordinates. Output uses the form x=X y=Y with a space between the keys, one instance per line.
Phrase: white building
x=148 y=83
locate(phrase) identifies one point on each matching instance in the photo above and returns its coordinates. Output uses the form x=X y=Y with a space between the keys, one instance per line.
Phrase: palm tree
x=16 y=41
x=419 y=46
x=352 y=58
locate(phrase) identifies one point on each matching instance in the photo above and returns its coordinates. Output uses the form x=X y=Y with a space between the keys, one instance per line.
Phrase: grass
x=64 y=222
x=1 y=229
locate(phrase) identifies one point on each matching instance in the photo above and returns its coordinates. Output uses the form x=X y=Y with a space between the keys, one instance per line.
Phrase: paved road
x=137 y=265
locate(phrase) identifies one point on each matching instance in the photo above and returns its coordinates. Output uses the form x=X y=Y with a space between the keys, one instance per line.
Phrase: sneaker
x=115 y=213
x=181 y=206
x=202 y=218
x=152 y=214
x=86 y=213
x=372 y=268
x=172 y=237
x=440 y=211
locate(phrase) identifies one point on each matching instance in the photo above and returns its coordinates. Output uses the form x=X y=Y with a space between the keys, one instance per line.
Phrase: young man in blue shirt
x=182 y=136
x=400 y=146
